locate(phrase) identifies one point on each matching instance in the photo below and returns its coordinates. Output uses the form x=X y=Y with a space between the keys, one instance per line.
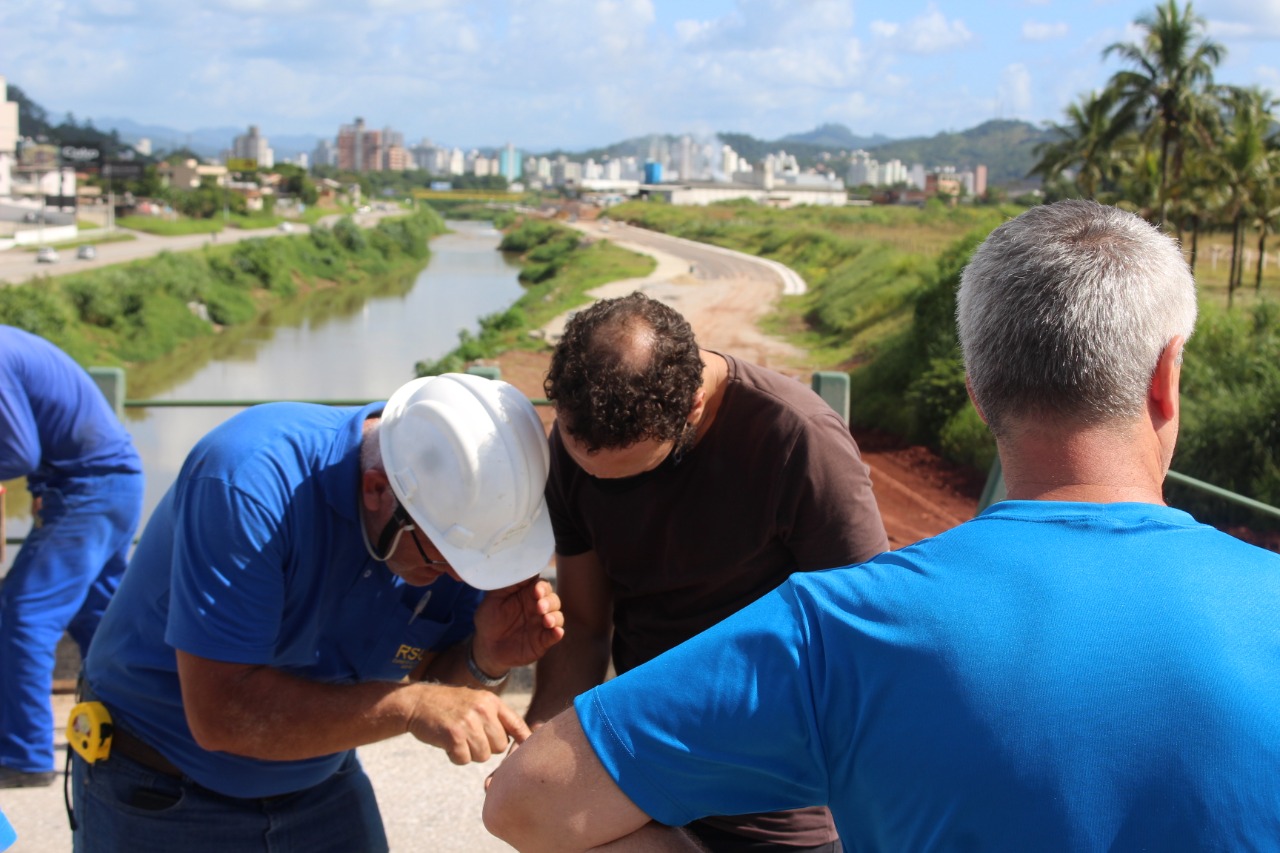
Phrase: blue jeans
x=62 y=579
x=121 y=805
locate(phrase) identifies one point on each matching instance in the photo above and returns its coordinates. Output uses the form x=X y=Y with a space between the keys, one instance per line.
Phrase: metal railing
x=831 y=386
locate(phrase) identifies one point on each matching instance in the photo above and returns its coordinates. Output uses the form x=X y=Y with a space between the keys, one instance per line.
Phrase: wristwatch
x=479 y=674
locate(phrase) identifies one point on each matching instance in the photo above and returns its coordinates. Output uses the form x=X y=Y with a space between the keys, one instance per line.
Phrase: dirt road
x=724 y=298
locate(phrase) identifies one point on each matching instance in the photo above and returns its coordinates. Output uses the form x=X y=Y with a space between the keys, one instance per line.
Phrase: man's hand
x=516 y=625
x=469 y=725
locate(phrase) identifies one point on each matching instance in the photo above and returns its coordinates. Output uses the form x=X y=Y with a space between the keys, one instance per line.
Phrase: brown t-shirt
x=775 y=486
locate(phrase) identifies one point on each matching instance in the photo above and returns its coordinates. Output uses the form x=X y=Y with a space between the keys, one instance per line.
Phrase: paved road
x=706 y=261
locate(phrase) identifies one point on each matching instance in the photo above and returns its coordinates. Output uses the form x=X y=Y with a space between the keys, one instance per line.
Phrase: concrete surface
x=427 y=803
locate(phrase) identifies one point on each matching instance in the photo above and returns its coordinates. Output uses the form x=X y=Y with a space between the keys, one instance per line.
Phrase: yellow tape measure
x=89 y=731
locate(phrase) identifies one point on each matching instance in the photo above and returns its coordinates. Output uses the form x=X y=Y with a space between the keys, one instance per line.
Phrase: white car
x=286 y=227
x=46 y=255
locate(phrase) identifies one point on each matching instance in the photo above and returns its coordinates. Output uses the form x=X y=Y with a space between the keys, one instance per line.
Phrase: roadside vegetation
x=559 y=269
x=145 y=310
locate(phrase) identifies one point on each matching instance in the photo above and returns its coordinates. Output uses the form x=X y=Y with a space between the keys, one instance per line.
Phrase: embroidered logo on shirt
x=409 y=656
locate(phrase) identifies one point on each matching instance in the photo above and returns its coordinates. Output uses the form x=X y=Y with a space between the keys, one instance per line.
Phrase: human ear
x=374 y=488
x=1166 y=378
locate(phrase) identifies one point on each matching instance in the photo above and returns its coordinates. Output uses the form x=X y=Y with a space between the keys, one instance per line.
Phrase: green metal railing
x=832 y=387
x=994 y=491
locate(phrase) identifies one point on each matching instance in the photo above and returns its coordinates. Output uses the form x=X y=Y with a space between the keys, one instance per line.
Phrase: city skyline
x=578 y=74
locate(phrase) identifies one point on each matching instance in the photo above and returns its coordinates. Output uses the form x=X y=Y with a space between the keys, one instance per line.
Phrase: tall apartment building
x=325 y=154
x=359 y=149
x=253 y=146
x=395 y=156
x=510 y=165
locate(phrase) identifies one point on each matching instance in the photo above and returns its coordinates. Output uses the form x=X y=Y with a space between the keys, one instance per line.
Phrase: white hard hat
x=468 y=458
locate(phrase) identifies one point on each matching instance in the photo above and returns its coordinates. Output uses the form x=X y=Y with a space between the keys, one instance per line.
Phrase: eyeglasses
x=406 y=524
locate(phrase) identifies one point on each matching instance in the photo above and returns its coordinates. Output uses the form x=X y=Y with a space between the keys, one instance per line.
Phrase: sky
x=576 y=74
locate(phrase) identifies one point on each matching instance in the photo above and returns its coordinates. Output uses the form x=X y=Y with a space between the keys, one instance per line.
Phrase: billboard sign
x=60 y=201
x=38 y=157
x=241 y=164
x=79 y=154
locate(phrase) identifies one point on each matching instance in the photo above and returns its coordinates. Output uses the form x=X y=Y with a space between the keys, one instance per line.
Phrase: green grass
x=169 y=227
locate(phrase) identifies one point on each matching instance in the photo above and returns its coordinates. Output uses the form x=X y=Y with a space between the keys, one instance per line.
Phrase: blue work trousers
x=121 y=805
x=61 y=581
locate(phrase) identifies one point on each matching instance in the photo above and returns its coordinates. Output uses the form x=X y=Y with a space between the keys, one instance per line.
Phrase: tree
x=1172 y=70
x=1246 y=164
x=1086 y=143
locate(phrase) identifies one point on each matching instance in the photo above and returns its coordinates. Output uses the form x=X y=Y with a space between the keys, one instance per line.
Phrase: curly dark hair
x=626 y=370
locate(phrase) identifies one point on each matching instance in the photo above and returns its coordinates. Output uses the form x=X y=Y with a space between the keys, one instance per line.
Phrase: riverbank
x=146 y=310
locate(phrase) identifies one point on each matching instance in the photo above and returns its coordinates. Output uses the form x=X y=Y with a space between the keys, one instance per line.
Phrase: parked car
x=46 y=255
x=286 y=227
x=86 y=252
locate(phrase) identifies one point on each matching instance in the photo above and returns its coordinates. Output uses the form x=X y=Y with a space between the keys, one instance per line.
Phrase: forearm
x=271 y=715
x=578 y=663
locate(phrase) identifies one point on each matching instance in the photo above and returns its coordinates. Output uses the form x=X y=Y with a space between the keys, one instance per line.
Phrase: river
x=323 y=350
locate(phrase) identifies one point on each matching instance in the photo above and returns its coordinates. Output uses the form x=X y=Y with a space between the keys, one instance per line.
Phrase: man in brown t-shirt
x=684 y=485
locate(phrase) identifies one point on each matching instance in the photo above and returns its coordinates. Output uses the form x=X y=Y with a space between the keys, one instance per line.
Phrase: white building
x=8 y=139
x=253 y=146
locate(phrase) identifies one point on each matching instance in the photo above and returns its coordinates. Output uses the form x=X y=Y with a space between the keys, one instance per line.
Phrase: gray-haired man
x=1079 y=668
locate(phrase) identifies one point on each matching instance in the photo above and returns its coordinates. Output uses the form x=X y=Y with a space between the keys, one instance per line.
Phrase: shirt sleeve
x=827 y=513
x=723 y=724
x=19 y=438
x=228 y=579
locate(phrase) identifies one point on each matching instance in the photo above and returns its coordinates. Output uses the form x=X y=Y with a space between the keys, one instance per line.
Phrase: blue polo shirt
x=255 y=556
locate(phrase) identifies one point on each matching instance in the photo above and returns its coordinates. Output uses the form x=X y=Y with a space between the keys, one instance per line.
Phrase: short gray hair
x=1066 y=310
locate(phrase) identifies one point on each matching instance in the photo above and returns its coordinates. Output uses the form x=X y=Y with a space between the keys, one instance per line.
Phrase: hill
x=1005 y=147
x=835 y=136
x=34 y=122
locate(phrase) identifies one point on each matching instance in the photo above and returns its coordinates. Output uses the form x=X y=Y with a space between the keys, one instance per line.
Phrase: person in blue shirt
x=314 y=581
x=85 y=478
x=1079 y=668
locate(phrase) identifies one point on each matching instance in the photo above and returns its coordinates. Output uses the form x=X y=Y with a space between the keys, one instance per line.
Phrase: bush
x=1230 y=433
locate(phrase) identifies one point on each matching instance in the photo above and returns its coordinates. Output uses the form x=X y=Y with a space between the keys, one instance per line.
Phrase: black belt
x=124 y=742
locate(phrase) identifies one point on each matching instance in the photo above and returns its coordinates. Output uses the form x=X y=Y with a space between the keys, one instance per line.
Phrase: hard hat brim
x=505 y=568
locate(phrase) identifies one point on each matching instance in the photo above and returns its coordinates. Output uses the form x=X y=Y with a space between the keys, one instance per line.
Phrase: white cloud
x=1038 y=31
x=1014 y=90
x=1244 y=19
x=926 y=34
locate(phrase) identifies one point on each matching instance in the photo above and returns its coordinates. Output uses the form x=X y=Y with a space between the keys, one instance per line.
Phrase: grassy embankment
x=881 y=304
x=148 y=310
x=559 y=269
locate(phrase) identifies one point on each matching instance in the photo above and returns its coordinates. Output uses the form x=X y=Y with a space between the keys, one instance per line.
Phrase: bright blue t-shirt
x=1047 y=676
x=54 y=422
x=255 y=556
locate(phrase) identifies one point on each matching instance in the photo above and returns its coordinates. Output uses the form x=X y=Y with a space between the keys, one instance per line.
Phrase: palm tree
x=1172 y=68
x=1086 y=143
x=1265 y=202
x=1245 y=162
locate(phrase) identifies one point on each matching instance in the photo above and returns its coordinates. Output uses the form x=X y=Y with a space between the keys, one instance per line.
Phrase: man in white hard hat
x=313 y=582
x=1079 y=668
